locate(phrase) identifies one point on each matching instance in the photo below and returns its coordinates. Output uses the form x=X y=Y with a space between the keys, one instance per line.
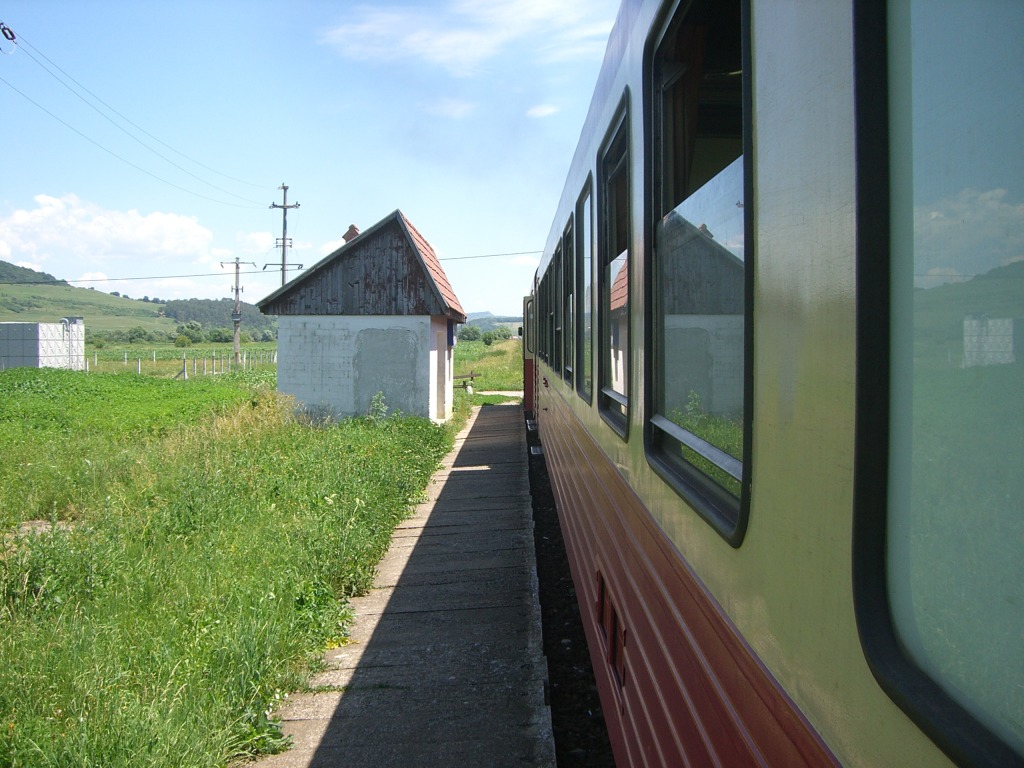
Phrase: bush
x=183 y=341
x=469 y=333
x=220 y=335
x=138 y=335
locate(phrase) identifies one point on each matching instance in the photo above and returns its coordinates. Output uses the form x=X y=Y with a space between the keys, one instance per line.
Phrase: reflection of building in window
x=618 y=321
x=992 y=341
x=702 y=289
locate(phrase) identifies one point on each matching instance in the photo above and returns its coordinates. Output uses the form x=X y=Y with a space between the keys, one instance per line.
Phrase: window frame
x=726 y=514
x=610 y=401
x=584 y=240
x=570 y=280
x=953 y=729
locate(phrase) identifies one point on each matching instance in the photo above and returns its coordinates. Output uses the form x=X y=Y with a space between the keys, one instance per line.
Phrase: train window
x=698 y=366
x=939 y=520
x=544 y=318
x=938 y=526
x=568 y=293
x=585 y=309
x=557 y=311
x=614 y=276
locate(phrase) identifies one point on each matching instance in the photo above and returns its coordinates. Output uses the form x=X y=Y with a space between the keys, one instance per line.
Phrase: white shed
x=376 y=315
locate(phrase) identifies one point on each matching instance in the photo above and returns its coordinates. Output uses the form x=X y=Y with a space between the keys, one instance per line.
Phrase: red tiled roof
x=433 y=267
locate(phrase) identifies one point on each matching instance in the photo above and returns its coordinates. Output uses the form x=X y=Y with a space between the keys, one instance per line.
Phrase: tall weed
x=191 y=577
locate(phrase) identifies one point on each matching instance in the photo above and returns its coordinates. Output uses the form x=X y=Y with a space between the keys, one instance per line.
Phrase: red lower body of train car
x=679 y=685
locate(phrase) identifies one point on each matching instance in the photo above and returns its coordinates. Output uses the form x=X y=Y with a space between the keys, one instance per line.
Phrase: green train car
x=774 y=350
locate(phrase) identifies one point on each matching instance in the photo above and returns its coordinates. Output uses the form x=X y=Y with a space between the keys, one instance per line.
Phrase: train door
x=529 y=352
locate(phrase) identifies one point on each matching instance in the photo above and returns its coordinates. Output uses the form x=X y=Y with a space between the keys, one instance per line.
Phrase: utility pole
x=236 y=315
x=283 y=241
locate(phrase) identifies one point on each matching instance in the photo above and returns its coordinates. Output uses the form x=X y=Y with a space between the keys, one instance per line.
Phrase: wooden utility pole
x=236 y=314
x=283 y=241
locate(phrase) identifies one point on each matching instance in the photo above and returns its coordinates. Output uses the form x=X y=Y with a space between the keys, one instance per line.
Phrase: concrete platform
x=445 y=665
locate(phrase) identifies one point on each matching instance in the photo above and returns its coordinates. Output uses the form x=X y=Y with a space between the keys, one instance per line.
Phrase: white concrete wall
x=336 y=365
x=42 y=345
x=704 y=354
x=443 y=379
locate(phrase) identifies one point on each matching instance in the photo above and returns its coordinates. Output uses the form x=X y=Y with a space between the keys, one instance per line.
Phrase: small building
x=377 y=315
x=43 y=345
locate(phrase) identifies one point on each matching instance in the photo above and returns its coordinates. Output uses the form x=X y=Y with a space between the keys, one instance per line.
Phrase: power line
x=491 y=255
x=23 y=42
x=294 y=268
x=114 y=154
x=123 y=129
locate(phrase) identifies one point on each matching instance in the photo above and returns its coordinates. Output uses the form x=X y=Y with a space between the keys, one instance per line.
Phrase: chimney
x=353 y=230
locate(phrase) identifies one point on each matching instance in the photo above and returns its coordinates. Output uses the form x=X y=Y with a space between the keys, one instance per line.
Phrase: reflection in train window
x=614 y=278
x=697 y=424
x=557 y=311
x=952 y=550
x=585 y=267
x=568 y=307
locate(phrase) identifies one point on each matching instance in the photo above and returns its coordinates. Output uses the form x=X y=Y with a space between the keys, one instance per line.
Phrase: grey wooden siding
x=378 y=274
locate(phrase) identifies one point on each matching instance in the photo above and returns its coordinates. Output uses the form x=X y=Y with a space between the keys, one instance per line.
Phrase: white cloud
x=966 y=234
x=542 y=110
x=76 y=231
x=464 y=34
x=256 y=242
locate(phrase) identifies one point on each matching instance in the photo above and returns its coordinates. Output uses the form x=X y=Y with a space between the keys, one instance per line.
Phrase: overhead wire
x=23 y=41
x=18 y=41
x=220 y=274
x=133 y=137
x=112 y=153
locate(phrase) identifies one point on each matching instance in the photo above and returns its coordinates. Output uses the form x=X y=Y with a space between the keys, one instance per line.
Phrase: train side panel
x=711 y=650
x=679 y=685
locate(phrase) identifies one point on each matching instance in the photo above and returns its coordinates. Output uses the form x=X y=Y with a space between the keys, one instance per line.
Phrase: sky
x=144 y=143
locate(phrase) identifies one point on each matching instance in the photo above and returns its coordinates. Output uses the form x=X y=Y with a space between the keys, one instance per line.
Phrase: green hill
x=35 y=297
x=939 y=312
x=11 y=273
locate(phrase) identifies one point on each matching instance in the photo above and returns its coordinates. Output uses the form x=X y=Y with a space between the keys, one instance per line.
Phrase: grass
x=202 y=542
x=721 y=431
x=500 y=365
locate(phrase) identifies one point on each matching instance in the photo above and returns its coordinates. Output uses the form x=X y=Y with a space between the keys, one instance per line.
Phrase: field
x=167 y=360
x=174 y=555
x=500 y=365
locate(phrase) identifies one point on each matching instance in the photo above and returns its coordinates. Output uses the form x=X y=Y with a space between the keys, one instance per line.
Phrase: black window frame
x=614 y=406
x=726 y=514
x=584 y=239
x=570 y=281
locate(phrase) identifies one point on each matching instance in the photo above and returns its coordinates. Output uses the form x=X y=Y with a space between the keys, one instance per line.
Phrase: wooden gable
x=389 y=269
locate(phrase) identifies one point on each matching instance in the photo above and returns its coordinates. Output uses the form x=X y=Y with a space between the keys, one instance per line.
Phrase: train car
x=775 y=354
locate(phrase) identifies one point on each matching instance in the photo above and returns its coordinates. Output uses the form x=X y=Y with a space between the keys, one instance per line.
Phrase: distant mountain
x=11 y=273
x=487 y=321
